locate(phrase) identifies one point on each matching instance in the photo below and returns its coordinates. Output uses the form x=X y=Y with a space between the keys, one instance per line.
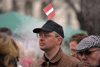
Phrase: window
x=28 y=8
x=68 y=19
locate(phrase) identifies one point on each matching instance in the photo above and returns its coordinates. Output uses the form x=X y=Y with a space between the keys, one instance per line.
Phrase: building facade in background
x=64 y=14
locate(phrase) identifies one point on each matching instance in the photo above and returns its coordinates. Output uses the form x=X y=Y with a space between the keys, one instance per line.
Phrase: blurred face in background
x=73 y=45
x=91 y=57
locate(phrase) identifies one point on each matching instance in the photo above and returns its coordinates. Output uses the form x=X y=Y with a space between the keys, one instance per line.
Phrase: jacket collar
x=56 y=58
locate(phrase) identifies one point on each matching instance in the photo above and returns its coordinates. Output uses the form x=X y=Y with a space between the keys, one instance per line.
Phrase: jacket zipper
x=47 y=64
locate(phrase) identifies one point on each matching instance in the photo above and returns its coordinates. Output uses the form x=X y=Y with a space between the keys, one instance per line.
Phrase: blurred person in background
x=88 y=51
x=30 y=56
x=21 y=52
x=8 y=31
x=50 y=39
x=21 y=48
x=73 y=42
x=8 y=51
x=31 y=53
x=13 y=61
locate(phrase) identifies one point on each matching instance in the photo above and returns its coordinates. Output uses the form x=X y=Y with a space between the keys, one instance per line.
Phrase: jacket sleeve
x=76 y=63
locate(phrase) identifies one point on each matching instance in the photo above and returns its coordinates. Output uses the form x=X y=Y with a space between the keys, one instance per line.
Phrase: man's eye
x=45 y=35
x=40 y=35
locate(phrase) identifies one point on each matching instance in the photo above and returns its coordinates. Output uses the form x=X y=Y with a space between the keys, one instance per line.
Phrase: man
x=73 y=42
x=89 y=51
x=50 y=38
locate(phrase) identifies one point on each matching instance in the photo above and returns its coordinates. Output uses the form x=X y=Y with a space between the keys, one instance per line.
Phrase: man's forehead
x=91 y=49
x=73 y=43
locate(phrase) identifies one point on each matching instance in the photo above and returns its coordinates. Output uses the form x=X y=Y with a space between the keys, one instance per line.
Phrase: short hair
x=77 y=37
x=6 y=30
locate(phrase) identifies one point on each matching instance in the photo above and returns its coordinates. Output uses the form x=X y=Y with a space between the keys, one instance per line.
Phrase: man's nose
x=83 y=57
x=41 y=38
x=73 y=54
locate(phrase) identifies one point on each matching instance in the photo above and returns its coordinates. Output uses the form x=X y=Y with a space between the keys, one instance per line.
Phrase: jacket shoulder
x=70 y=61
x=36 y=63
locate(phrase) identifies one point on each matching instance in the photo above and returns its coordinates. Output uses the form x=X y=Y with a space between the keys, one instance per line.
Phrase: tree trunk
x=91 y=13
x=89 y=16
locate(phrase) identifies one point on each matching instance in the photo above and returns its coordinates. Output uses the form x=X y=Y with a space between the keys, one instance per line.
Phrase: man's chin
x=43 y=49
x=86 y=64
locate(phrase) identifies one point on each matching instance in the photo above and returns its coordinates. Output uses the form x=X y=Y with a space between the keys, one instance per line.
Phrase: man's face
x=91 y=57
x=73 y=45
x=48 y=41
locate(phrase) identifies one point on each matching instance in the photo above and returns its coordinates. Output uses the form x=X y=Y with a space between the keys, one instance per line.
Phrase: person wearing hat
x=73 y=42
x=88 y=51
x=50 y=38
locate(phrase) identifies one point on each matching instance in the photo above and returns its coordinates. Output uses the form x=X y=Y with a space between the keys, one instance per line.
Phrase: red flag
x=49 y=11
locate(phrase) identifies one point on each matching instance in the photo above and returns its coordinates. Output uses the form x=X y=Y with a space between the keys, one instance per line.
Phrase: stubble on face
x=86 y=64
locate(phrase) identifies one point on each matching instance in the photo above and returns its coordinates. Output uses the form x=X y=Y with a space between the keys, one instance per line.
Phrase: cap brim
x=37 y=30
x=82 y=50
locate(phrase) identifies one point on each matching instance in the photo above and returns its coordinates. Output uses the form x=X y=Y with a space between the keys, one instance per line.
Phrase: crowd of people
x=12 y=52
x=84 y=49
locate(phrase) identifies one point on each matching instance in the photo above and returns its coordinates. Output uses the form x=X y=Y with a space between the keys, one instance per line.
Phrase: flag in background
x=49 y=11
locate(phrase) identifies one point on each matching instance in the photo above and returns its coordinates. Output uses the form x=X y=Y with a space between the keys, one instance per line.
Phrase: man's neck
x=51 y=53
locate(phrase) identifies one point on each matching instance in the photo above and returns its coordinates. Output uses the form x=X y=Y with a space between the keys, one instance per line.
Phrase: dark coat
x=60 y=60
x=98 y=65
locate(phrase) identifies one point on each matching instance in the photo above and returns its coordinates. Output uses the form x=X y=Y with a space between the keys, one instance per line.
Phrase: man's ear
x=59 y=40
x=6 y=60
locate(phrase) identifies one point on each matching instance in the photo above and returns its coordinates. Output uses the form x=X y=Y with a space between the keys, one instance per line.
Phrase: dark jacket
x=2 y=64
x=60 y=60
x=98 y=65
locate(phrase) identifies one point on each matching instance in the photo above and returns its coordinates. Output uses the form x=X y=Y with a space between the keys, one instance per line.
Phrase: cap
x=88 y=42
x=50 y=26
